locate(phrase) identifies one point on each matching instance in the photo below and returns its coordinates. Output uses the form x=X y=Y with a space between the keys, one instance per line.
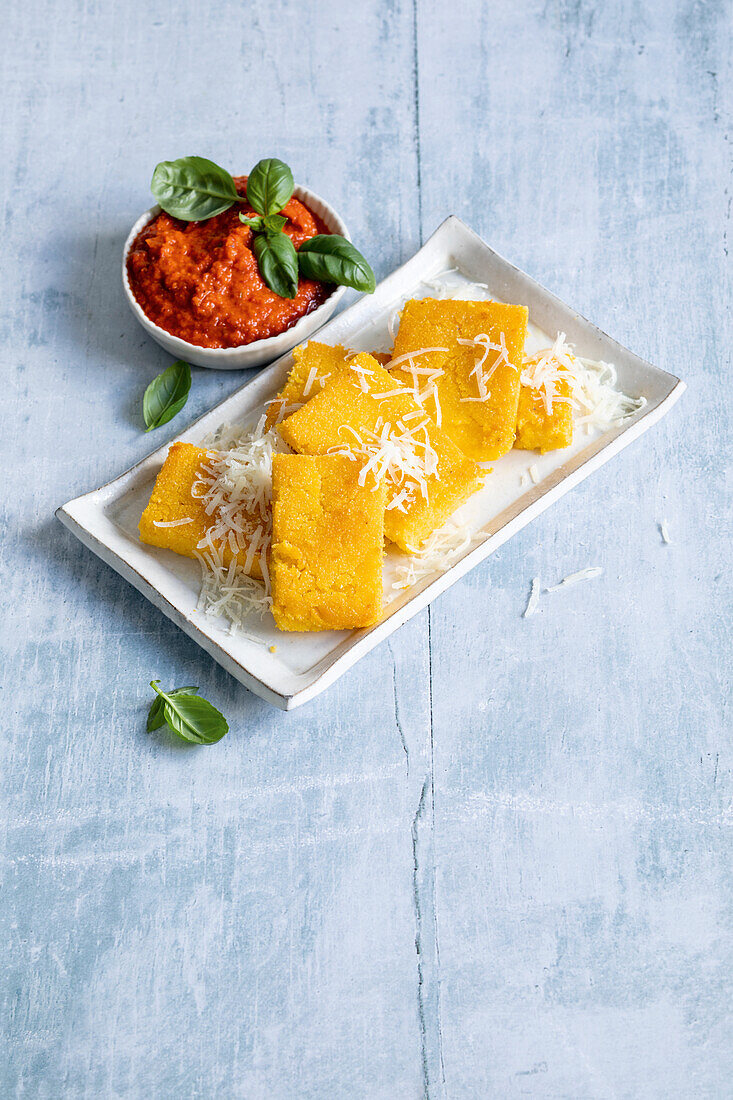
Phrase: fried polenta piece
x=368 y=413
x=172 y=502
x=475 y=402
x=539 y=429
x=327 y=544
x=313 y=364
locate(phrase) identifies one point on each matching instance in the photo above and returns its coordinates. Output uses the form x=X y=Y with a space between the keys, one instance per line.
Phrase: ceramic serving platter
x=451 y=263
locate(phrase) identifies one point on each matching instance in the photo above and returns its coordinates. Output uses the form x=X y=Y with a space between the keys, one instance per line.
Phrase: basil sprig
x=166 y=395
x=194 y=189
x=187 y=714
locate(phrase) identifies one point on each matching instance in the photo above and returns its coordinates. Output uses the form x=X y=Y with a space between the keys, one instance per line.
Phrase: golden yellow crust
x=539 y=430
x=327 y=544
x=172 y=500
x=483 y=429
x=347 y=410
x=317 y=362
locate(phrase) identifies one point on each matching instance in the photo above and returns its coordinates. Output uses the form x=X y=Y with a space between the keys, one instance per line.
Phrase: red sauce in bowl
x=200 y=280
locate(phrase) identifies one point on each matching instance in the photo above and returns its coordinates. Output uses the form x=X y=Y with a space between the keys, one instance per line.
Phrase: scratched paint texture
x=494 y=859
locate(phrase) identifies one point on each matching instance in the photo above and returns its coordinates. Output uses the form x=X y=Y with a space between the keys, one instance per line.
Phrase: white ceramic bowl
x=259 y=351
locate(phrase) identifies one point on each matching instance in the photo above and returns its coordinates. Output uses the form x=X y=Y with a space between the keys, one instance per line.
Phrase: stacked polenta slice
x=383 y=447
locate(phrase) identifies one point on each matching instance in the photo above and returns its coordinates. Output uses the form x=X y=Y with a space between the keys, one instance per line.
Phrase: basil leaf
x=278 y=263
x=156 y=718
x=166 y=395
x=271 y=223
x=193 y=188
x=257 y=224
x=191 y=717
x=274 y=223
x=333 y=259
x=269 y=186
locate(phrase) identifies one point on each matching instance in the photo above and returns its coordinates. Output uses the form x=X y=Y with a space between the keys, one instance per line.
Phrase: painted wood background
x=494 y=860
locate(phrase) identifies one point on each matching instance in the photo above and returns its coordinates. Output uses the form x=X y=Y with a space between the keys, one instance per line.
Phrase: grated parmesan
x=393 y=453
x=438 y=554
x=412 y=355
x=360 y=373
x=534 y=598
x=434 y=284
x=235 y=486
x=594 y=396
x=482 y=342
x=312 y=375
x=574 y=578
x=544 y=370
x=391 y=322
x=230 y=593
x=171 y=522
x=664 y=532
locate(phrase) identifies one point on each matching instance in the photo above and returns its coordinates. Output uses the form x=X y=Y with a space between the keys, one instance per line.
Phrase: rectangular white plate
x=304 y=664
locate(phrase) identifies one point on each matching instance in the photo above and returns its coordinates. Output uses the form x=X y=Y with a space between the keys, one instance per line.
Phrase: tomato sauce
x=200 y=280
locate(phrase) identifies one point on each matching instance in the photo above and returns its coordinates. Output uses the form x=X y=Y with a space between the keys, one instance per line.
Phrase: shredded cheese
x=595 y=399
x=534 y=598
x=399 y=455
x=312 y=374
x=664 y=532
x=545 y=369
x=235 y=486
x=438 y=553
x=442 y=290
x=388 y=393
x=574 y=578
x=171 y=522
x=360 y=373
x=482 y=343
x=228 y=592
x=411 y=355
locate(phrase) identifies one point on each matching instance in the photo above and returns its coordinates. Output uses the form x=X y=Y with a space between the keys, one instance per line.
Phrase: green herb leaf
x=269 y=186
x=257 y=225
x=191 y=717
x=271 y=223
x=156 y=718
x=333 y=259
x=278 y=263
x=193 y=188
x=274 y=223
x=166 y=395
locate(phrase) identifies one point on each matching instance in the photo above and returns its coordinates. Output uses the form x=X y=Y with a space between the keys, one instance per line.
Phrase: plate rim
x=69 y=512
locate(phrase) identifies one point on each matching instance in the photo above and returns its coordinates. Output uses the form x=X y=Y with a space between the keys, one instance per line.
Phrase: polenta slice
x=545 y=413
x=327 y=544
x=463 y=360
x=313 y=364
x=365 y=412
x=176 y=518
x=540 y=428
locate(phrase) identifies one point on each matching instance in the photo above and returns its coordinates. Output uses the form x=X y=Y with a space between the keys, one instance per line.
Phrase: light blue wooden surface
x=494 y=860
